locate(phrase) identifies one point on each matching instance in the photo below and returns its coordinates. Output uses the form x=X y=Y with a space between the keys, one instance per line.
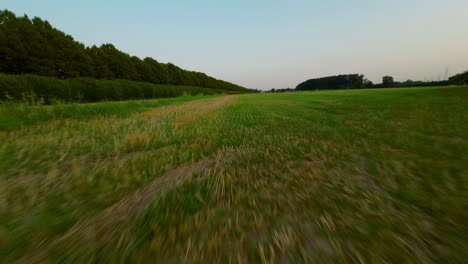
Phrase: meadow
x=331 y=176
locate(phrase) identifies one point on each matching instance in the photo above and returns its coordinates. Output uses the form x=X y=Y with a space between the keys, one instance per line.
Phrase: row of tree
x=28 y=88
x=33 y=46
x=345 y=81
x=358 y=81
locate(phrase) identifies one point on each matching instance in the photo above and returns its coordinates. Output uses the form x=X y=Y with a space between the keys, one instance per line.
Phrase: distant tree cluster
x=33 y=46
x=460 y=79
x=255 y=91
x=357 y=81
x=281 y=90
x=347 y=81
x=387 y=81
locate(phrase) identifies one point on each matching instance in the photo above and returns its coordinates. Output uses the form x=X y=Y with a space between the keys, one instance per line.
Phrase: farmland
x=335 y=176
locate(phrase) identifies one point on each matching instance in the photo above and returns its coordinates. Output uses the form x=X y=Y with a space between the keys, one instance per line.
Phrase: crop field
x=332 y=176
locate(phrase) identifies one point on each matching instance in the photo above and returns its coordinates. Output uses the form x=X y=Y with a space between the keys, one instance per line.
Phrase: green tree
x=387 y=81
x=34 y=46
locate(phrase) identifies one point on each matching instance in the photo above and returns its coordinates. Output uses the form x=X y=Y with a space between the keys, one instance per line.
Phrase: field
x=337 y=176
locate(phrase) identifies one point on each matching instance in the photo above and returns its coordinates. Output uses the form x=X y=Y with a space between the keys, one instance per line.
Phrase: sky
x=267 y=44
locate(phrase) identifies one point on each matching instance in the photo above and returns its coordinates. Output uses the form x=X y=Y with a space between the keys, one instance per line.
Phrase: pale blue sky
x=273 y=43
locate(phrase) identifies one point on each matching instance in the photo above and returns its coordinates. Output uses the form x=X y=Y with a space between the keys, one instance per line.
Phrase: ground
x=334 y=176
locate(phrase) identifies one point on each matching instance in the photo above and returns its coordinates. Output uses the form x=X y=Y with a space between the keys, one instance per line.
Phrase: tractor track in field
x=103 y=227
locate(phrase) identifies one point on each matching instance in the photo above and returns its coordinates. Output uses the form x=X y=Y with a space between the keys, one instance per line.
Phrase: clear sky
x=273 y=43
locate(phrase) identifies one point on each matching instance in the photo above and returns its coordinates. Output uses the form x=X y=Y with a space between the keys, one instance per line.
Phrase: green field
x=334 y=176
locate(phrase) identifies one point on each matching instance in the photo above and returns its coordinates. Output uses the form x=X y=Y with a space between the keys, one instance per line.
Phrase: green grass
x=333 y=176
x=14 y=115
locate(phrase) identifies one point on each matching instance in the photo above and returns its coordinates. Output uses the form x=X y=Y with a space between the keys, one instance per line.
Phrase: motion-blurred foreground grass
x=339 y=176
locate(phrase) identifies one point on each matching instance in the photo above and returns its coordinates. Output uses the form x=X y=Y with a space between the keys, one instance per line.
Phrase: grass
x=14 y=115
x=333 y=176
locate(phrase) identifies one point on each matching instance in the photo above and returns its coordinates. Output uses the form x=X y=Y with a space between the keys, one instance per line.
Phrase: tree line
x=358 y=81
x=33 y=46
x=344 y=81
x=29 y=88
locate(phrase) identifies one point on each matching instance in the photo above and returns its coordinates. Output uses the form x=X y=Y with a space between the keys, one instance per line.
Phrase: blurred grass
x=335 y=176
x=16 y=114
